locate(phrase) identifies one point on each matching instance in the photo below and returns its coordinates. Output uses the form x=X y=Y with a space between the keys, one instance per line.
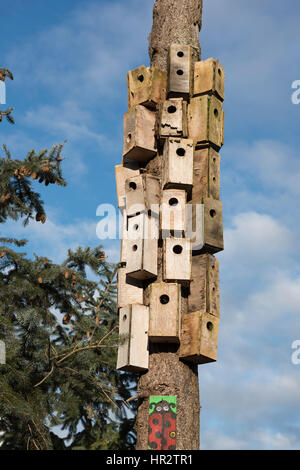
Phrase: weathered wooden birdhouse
x=122 y=174
x=204 y=225
x=133 y=354
x=176 y=259
x=172 y=207
x=165 y=312
x=173 y=118
x=209 y=78
x=130 y=291
x=199 y=337
x=206 y=121
x=146 y=86
x=204 y=286
x=139 y=130
x=142 y=194
x=180 y=73
x=178 y=163
x=206 y=174
x=142 y=246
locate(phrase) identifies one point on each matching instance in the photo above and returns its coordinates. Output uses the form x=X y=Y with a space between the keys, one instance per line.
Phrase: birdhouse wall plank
x=180 y=70
x=173 y=203
x=204 y=286
x=173 y=118
x=130 y=291
x=206 y=121
x=142 y=247
x=165 y=312
x=177 y=259
x=133 y=353
x=199 y=337
x=146 y=86
x=142 y=194
x=209 y=78
x=178 y=164
x=139 y=134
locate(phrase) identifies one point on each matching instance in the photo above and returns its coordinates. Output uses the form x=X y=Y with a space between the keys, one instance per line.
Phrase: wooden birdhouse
x=179 y=70
x=146 y=86
x=130 y=291
x=204 y=225
x=139 y=130
x=199 y=337
x=176 y=259
x=173 y=118
x=122 y=174
x=142 y=194
x=204 y=286
x=142 y=246
x=206 y=174
x=178 y=163
x=165 y=312
x=173 y=203
x=206 y=121
x=209 y=78
x=133 y=354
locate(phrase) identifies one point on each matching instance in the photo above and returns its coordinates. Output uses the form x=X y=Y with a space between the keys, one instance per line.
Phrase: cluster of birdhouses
x=172 y=214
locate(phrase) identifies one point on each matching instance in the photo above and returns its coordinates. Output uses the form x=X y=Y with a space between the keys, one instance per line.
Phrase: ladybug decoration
x=162 y=423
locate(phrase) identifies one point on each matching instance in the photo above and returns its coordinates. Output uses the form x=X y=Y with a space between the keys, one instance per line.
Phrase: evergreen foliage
x=60 y=329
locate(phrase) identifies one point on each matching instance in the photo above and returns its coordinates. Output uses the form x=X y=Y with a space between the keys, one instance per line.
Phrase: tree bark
x=174 y=21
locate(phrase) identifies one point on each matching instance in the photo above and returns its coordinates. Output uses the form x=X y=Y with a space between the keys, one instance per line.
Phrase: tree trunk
x=174 y=21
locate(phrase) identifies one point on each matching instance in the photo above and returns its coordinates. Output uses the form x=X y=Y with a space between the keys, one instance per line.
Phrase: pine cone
x=67 y=318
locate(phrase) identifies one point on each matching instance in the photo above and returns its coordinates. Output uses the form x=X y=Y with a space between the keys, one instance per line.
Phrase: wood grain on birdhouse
x=139 y=131
x=204 y=286
x=165 y=312
x=122 y=174
x=206 y=121
x=176 y=259
x=146 y=86
x=173 y=118
x=179 y=70
x=124 y=238
x=130 y=291
x=199 y=337
x=206 y=182
x=178 y=164
x=209 y=78
x=133 y=354
x=172 y=208
x=142 y=246
x=142 y=194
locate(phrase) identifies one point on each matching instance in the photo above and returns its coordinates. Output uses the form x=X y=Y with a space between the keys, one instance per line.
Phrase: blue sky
x=70 y=61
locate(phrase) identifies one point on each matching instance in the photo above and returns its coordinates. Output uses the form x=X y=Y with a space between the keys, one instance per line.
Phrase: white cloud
x=273 y=164
x=256 y=243
x=66 y=119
